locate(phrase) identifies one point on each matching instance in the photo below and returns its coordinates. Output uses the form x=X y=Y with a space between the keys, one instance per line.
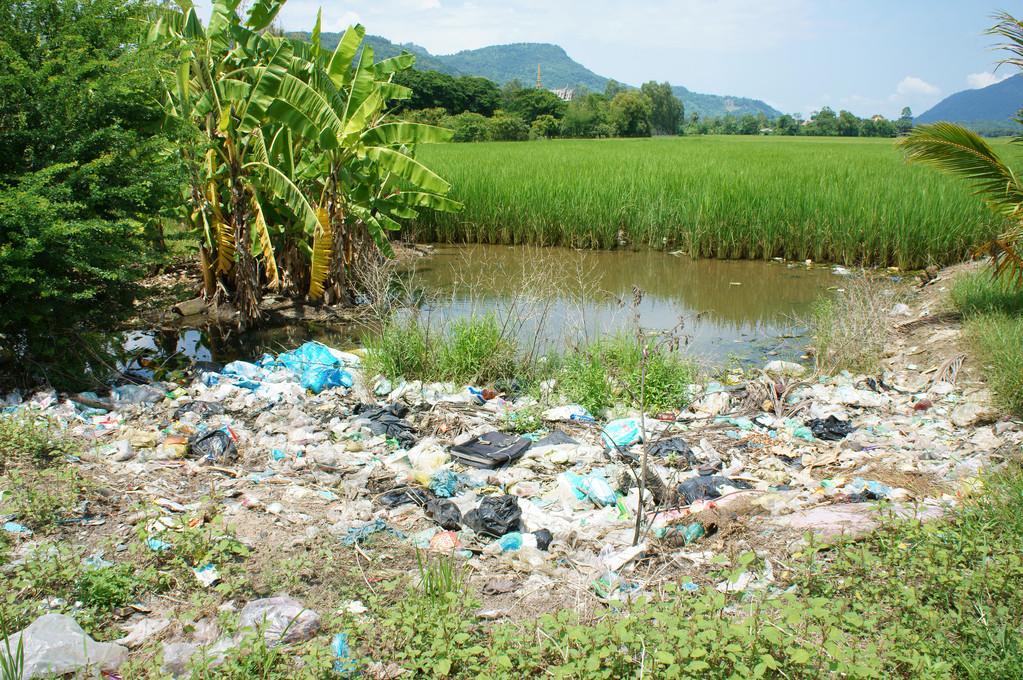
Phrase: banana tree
x=293 y=154
x=955 y=150
x=362 y=168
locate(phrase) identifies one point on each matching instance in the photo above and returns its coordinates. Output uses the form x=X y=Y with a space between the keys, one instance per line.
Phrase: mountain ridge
x=503 y=63
x=995 y=104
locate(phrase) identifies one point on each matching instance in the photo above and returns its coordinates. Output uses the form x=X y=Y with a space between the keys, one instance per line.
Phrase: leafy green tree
x=530 y=103
x=545 y=126
x=960 y=152
x=614 y=88
x=469 y=127
x=825 y=122
x=885 y=128
x=905 y=122
x=508 y=92
x=847 y=125
x=748 y=125
x=630 y=114
x=81 y=178
x=868 y=128
x=504 y=128
x=587 y=116
x=787 y=125
x=666 y=110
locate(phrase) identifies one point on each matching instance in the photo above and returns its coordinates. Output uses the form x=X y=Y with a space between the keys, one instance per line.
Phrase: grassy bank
x=994 y=327
x=851 y=201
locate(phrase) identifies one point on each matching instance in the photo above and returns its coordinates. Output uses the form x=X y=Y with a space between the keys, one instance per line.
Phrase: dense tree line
x=480 y=111
x=823 y=123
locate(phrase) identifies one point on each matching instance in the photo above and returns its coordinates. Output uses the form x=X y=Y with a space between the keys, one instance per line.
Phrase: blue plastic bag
x=320 y=378
x=593 y=487
x=311 y=355
x=624 y=432
x=344 y=664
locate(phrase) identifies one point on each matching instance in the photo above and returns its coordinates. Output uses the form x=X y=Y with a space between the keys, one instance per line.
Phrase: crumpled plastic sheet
x=55 y=644
x=359 y=534
x=282 y=620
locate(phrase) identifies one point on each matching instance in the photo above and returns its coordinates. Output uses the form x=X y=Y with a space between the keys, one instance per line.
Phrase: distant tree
x=469 y=127
x=787 y=125
x=885 y=128
x=847 y=125
x=694 y=117
x=666 y=110
x=481 y=94
x=545 y=126
x=630 y=113
x=748 y=125
x=585 y=115
x=905 y=122
x=530 y=103
x=825 y=122
x=508 y=92
x=868 y=128
x=504 y=128
x=613 y=89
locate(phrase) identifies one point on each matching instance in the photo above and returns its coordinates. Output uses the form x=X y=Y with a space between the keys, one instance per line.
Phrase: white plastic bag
x=55 y=644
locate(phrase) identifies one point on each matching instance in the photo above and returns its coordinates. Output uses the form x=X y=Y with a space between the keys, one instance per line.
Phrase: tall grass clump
x=994 y=327
x=850 y=330
x=476 y=350
x=851 y=201
x=611 y=370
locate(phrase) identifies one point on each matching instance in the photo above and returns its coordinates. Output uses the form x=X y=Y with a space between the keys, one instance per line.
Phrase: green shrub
x=404 y=347
x=28 y=439
x=612 y=370
x=107 y=587
x=477 y=351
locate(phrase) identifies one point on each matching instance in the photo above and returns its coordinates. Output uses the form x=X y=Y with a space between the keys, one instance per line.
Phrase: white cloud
x=911 y=86
x=975 y=81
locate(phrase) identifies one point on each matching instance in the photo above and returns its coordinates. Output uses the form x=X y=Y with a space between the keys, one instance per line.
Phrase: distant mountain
x=987 y=108
x=384 y=49
x=502 y=63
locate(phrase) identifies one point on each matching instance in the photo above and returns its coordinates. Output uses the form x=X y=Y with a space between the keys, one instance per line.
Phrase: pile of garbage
x=306 y=443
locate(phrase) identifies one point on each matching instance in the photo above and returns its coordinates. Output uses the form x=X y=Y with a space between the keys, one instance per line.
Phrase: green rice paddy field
x=849 y=201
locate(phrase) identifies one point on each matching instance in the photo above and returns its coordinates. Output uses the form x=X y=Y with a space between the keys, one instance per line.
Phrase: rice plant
x=850 y=201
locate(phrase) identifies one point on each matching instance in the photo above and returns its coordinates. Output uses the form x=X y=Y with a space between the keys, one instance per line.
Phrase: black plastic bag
x=403 y=495
x=205 y=409
x=214 y=446
x=543 y=538
x=444 y=513
x=389 y=422
x=676 y=446
x=830 y=429
x=705 y=488
x=555 y=438
x=490 y=450
x=496 y=516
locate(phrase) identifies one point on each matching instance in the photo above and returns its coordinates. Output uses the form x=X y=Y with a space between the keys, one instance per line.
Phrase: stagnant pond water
x=747 y=310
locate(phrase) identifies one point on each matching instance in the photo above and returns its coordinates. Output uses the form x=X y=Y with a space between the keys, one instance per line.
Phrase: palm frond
x=1011 y=29
x=953 y=149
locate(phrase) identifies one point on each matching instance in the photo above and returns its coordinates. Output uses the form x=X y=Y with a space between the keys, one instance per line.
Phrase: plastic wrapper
x=282 y=620
x=213 y=446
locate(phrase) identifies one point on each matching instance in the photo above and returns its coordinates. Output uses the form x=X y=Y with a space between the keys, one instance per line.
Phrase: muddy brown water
x=747 y=310
x=724 y=308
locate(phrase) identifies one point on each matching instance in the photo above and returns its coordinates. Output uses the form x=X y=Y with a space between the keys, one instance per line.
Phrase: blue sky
x=867 y=56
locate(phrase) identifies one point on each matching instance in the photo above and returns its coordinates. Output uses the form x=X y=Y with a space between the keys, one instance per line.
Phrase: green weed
x=609 y=371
